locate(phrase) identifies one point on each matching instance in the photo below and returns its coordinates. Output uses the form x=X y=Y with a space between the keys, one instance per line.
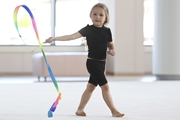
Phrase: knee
x=105 y=87
x=90 y=87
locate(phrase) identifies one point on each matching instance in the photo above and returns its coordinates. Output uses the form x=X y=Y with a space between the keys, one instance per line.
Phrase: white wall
x=17 y=60
x=127 y=26
x=20 y=63
x=127 y=29
x=15 y=63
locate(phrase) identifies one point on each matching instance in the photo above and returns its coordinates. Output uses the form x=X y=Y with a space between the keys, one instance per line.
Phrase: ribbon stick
x=54 y=105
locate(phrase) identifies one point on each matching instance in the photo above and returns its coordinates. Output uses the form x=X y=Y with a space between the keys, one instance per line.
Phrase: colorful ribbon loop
x=54 y=105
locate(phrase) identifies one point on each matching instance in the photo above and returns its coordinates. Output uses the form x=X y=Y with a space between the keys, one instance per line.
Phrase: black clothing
x=97 y=39
x=96 y=69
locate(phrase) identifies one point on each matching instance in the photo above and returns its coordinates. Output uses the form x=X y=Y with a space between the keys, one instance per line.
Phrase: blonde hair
x=105 y=8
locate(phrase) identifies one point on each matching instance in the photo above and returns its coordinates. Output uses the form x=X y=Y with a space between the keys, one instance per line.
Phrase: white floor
x=139 y=97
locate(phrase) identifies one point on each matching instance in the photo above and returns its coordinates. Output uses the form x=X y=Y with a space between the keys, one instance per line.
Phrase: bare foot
x=80 y=113
x=118 y=114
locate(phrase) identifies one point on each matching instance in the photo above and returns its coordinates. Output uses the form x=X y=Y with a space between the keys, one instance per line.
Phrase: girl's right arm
x=64 y=38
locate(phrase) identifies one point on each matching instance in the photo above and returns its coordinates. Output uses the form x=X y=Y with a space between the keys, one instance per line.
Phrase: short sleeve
x=84 y=31
x=110 y=35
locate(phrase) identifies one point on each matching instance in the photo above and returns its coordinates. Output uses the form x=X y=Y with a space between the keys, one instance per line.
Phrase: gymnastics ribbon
x=54 y=105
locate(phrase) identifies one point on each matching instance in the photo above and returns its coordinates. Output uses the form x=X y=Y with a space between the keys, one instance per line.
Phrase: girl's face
x=98 y=16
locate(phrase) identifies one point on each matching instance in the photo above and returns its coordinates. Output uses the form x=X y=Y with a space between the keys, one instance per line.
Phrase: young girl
x=98 y=39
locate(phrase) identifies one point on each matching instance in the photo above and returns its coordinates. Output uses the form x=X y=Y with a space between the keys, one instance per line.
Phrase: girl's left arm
x=111 y=48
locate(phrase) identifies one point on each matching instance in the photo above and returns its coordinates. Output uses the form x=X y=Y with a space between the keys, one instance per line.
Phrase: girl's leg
x=108 y=100
x=84 y=99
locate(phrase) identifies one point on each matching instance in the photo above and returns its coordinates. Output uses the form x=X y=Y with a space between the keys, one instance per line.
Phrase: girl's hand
x=49 y=40
x=111 y=52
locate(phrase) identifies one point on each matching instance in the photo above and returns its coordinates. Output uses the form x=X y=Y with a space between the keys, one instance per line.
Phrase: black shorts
x=96 y=70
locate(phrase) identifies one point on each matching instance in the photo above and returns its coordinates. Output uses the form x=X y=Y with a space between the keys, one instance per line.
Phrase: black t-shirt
x=97 y=39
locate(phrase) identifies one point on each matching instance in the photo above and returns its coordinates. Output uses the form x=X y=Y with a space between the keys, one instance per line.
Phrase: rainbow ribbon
x=53 y=107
